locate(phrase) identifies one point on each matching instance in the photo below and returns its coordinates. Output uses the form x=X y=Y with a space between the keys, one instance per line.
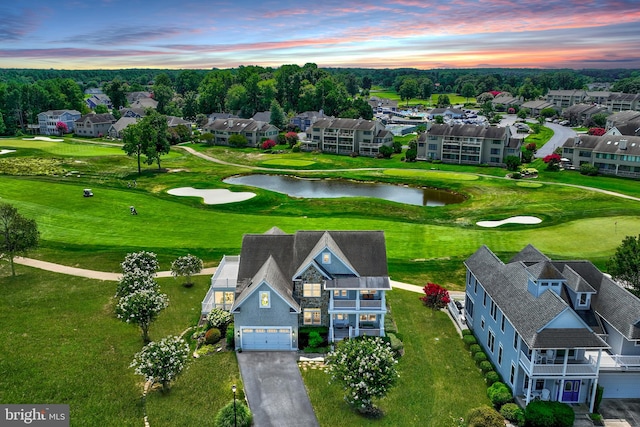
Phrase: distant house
x=253 y=130
x=283 y=282
x=565 y=98
x=94 y=125
x=450 y=113
x=306 y=119
x=535 y=107
x=467 y=144
x=214 y=116
x=48 y=121
x=623 y=101
x=554 y=330
x=136 y=113
x=380 y=105
x=616 y=119
x=347 y=136
x=173 y=121
x=98 y=99
x=145 y=103
x=580 y=114
x=115 y=130
x=611 y=154
x=506 y=99
x=134 y=96
x=262 y=116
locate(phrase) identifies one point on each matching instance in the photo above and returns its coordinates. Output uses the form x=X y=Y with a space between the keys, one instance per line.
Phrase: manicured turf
x=62 y=148
x=434 y=388
x=288 y=162
x=413 y=173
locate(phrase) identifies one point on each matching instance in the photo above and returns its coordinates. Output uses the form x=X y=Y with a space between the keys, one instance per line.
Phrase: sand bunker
x=6 y=152
x=43 y=138
x=512 y=220
x=212 y=197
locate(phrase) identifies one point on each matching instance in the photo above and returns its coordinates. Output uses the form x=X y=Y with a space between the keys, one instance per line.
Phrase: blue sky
x=74 y=34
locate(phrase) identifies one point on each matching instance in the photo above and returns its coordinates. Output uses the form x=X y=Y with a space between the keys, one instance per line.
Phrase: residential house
x=262 y=116
x=623 y=101
x=506 y=99
x=134 y=96
x=214 y=116
x=380 y=105
x=48 y=121
x=467 y=144
x=173 y=121
x=619 y=118
x=554 y=330
x=580 y=114
x=565 y=98
x=94 y=125
x=449 y=113
x=115 y=130
x=599 y=97
x=535 y=107
x=611 y=154
x=136 y=113
x=253 y=130
x=347 y=136
x=282 y=282
x=98 y=99
x=145 y=103
x=306 y=119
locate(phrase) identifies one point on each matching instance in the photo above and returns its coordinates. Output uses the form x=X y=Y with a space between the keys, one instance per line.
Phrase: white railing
x=584 y=367
x=355 y=304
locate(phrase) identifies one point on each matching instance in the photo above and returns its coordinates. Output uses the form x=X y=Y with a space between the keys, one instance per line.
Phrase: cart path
x=89 y=274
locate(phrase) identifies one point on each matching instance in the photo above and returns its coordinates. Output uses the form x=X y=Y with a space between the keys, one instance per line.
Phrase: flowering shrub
x=144 y=261
x=161 y=362
x=62 y=127
x=435 y=296
x=133 y=281
x=291 y=138
x=552 y=161
x=186 y=266
x=596 y=131
x=268 y=144
x=218 y=318
x=141 y=308
x=366 y=368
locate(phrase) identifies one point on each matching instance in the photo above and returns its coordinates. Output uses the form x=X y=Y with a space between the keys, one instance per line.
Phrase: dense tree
x=548 y=112
x=238 y=140
x=443 y=101
x=190 y=107
x=3 y=127
x=528 y=91
x=153 y=132
x=512 y=162
x=132 y=145
x=163 y=94
x=599 y=119
x=116 y=90
x=188 y=81
x=624 y=265
x=468 y=91
x=408 y=89
x=17 y=234
x=425 y=88
x=101 y=109
x=277 y=115
x=236 y=99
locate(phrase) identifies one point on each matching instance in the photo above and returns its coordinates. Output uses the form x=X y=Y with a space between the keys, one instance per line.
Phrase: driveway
x=560 y=136
x=275 y=391
x=621 y=409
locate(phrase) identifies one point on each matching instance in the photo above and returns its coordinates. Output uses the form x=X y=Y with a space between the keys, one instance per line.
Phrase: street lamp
x=235 y=414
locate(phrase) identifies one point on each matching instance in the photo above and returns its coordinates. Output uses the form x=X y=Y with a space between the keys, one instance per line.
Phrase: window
x=512 y=374
x=500 y=351
x=223 y=299
x=482 y=322
x=433 y=147
x=468 y=306
x=326 y=258
x=484 y=299
x=495 y=151
x=311 y=316
x=265 y=299
x=367 y=317
x=367 y=294
x=515 y=340
x=491 y=341
x=475 y=286
x=311 y=290
x=502 y=323
x=583 y=299
x=340 y=293
x=494 y=310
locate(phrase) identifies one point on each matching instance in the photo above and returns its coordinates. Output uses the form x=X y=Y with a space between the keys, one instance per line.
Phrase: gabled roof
x=238 y=125
x=270 y=274
x=544 y=270
x=97 y=118
x=325 y=242
x=262 y=116
x=122 y=123
x=507 y=285
x=347 y=124
x=473 y=131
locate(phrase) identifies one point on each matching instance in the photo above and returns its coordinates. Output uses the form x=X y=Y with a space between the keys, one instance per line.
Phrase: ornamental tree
x=268 y=144
x=140 y=262
x=186 y=266
x=62 y=128
x=435 y=296
x=366 y=368
x=161 y=362
x=133 y=281
x=291 y=138
x=17 y=234
x=624 y=265
x=552 y=161
x=141 y=308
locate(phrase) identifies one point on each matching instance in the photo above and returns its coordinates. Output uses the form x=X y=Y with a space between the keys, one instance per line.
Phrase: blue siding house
x=281 y=282
x=554 y=330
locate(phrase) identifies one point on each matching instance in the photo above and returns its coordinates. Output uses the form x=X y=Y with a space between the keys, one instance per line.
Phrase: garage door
x=266 y=338
x=620 y=385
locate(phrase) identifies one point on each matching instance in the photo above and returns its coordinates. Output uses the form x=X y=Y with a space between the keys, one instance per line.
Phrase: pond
x=332 y=188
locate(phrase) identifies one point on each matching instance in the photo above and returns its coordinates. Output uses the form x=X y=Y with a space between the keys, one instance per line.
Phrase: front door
x=571 y=391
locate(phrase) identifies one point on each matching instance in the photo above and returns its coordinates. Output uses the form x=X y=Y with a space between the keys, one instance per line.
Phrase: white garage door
x=620 y=385
x=266 y=338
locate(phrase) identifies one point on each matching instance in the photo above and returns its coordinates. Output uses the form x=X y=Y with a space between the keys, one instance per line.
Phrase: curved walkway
x=89 y=274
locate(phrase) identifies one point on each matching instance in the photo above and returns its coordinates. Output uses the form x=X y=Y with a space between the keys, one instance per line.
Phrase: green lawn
x=434 y=387
x=430 y=103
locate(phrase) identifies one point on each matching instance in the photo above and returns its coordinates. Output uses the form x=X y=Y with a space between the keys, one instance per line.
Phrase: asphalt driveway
x=621 y=409
x=275 y=391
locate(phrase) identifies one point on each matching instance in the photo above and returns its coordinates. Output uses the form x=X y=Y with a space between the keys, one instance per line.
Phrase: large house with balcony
x=347 y=136
x=48 y=121
x=611 y=154
x=94 y=125
x=554 y=330
x=282 y=282
x=254 y=131
x=467 y=144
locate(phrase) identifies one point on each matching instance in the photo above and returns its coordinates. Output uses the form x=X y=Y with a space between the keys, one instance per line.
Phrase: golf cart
x=88 y=192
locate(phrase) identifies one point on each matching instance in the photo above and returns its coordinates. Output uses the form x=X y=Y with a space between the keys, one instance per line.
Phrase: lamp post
x=235 y=414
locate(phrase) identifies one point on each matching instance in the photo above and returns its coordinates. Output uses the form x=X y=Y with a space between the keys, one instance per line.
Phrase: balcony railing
x=573 y=367
x=355 y=304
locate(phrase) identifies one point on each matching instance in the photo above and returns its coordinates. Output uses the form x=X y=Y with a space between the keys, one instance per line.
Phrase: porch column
x=331 y=328
x=381 y=324
x=561 y=392
x=595 y=382
x=528 y=396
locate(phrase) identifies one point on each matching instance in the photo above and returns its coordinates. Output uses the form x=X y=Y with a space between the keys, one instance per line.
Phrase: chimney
x=230 y=123
x=623 y=144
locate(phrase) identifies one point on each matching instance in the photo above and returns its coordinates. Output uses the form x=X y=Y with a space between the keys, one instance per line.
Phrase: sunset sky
x=75 y=34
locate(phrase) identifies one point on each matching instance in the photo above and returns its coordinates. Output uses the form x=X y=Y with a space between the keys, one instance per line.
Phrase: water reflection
x=330 y=188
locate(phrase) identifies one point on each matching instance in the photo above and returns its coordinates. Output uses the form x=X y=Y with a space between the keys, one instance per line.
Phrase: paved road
x=275 y=390
x=560 y=135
